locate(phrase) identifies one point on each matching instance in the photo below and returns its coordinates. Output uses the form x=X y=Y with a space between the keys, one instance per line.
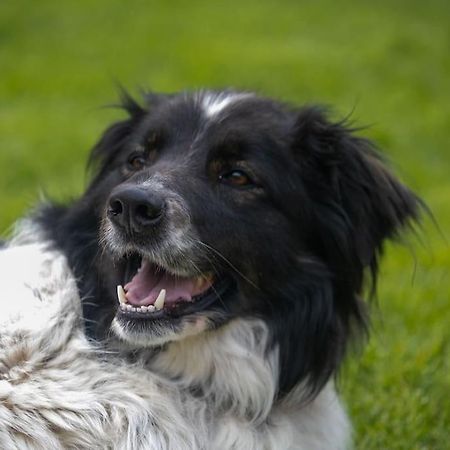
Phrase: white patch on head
x=214 y=103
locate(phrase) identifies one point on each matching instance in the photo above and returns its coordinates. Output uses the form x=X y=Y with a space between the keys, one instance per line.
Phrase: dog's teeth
x=159 y=302
x=151 y=308
x=121 y=295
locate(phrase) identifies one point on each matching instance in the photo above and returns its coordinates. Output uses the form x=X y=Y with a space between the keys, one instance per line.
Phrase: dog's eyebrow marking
x=213 y=104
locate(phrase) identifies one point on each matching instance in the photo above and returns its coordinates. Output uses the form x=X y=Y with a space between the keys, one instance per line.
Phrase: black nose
x=135 y=208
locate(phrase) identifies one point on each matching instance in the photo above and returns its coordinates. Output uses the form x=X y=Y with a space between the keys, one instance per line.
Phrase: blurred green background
x=387 y=63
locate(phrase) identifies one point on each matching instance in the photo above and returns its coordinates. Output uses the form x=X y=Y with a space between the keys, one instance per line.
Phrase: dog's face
x=214 y=205
x=196 y=212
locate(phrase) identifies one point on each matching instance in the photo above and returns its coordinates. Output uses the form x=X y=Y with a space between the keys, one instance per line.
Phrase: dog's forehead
x=205 y=114
x=214 y=106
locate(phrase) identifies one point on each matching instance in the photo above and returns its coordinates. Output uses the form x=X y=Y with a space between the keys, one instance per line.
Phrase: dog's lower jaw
x=160 y=333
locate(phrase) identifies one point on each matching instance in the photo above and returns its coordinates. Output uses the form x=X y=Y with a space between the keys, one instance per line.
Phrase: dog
x=204 y=290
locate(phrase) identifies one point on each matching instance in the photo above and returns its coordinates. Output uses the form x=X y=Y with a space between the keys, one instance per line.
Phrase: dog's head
x=215 y=205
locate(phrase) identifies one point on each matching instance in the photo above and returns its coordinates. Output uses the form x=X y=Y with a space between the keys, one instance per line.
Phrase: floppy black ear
x=357 y=201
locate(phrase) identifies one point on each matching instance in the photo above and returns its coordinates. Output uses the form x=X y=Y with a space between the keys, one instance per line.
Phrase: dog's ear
x=357 y=201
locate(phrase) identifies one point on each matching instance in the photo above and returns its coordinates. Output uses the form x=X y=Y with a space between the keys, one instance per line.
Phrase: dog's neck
x=231 y=368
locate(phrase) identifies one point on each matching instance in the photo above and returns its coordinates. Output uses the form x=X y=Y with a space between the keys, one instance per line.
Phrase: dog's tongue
x=146 y=285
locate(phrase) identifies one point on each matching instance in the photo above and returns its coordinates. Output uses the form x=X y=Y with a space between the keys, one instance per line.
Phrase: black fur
x=298 y=240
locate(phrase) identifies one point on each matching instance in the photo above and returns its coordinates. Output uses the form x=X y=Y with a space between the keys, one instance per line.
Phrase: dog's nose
x=135 y=208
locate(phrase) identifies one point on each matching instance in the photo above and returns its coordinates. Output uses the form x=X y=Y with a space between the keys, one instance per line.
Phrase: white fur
x=215 y=390
x=214 y=103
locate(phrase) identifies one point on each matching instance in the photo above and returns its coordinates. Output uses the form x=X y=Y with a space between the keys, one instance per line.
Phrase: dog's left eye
x=237 y=178
x=136 y=161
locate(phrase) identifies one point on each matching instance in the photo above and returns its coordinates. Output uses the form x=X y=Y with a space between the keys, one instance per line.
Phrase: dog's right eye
x=137 y=161
x=236 y=178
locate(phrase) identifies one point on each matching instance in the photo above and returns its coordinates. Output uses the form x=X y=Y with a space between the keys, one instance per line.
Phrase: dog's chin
x=157 y=304
x=141 y=333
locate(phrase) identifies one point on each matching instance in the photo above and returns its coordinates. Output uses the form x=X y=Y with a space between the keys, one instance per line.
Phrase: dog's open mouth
x=152 y=291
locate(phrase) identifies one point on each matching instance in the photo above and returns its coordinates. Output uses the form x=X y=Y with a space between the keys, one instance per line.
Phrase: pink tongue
x=146 y=285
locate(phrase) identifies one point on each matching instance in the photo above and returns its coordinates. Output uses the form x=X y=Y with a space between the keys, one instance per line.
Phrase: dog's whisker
x=95 y=305
x=229 y=263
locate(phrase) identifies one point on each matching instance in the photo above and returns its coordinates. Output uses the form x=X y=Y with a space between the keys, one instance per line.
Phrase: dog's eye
x=136 y=161
x=236 y=178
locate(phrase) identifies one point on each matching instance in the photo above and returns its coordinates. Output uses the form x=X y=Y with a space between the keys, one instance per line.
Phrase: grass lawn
x=386 y=62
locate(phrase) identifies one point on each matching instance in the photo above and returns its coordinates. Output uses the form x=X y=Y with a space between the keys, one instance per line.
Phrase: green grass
x=387 y=62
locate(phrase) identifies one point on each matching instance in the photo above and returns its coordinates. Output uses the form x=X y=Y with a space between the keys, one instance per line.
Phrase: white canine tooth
x=159 y=302
x=121 y=295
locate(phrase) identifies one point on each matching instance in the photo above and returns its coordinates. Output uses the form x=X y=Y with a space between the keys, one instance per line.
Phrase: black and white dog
x=203 y=291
